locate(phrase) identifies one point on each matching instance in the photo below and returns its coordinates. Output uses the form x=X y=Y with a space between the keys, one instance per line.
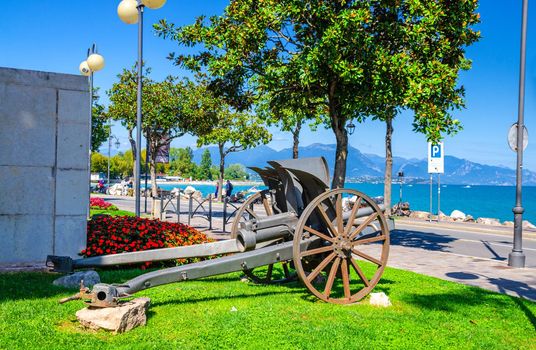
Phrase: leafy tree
x=204 y=172
x=234 y=132
x=420 y=51
x=164 y=117
x=236 y=172
x=181 y=162
x=99 y=163
x=122 y=164
x=99 y=126
x=318 y=49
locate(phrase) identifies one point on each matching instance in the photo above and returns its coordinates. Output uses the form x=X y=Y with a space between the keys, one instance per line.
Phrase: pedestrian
x=217 y=188
x=228 y=189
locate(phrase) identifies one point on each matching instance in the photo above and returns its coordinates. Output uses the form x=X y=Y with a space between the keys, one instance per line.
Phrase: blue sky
x=54 y=36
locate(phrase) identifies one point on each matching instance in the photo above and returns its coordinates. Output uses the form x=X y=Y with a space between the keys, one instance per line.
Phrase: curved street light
x=93 y=63
x=131 y=12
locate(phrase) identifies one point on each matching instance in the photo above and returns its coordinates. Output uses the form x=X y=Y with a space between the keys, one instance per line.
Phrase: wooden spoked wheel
x=255 y=207
x=348 y=253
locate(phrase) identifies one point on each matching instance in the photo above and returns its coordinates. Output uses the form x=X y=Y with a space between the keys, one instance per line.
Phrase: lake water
x=478 y=201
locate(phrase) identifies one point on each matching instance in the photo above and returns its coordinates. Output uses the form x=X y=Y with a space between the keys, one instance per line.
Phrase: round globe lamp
x=128 y=11
x=154 y=4
x=84 y=69
x=95 y=62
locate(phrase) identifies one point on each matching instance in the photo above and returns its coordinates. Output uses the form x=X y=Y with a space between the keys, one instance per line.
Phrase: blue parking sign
x=435 y=150
x=436 y=156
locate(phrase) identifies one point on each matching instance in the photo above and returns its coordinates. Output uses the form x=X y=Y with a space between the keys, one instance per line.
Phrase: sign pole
x=431 y=182
x=438 y=197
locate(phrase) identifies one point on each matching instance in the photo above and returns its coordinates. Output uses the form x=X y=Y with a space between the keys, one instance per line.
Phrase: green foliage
x=94 y=212
x=427 y=313
x=205 y=166
x=99 y=163
x=340 y=60
x=236 y=172
x=122 y=164
x=181 y=162
x=99 y=126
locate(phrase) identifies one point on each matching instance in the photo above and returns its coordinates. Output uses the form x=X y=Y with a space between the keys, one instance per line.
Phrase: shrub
x=101 y=204
x=113 y=235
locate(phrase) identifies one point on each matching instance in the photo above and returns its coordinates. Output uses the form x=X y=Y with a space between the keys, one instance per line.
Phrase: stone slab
x=70 y=235
x=28 y=119
x=44 y=79
x=72 y=197
x=25 y=238
x=26 y=190
x=73 y=106
x=73 y=140
x=116 y=319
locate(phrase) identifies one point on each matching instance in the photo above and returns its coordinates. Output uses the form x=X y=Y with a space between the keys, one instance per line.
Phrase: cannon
x=336 y=241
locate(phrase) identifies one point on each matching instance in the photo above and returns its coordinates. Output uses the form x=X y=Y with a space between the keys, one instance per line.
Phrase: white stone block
x=117 y=319
x=28 y=124
x=25 y=238
x=70 y=237
x=72 y=192
x=73 y=106
x=73 y=149
x=26 y=190
x=380 y=299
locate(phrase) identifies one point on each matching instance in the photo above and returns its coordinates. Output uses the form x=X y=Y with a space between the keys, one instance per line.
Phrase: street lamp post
x=516 y=258
x=93 y=63
x=117 y=144
x=131 y=12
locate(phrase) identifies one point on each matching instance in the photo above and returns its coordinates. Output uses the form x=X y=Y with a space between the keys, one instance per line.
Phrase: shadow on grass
x=195 y=300
x=457 y=301
x=29 y=285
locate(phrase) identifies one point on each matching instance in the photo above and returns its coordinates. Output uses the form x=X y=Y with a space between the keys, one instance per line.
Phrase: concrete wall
x=44 y=121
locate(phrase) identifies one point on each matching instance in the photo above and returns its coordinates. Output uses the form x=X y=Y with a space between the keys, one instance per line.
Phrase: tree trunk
x=222 y=171
x=133 y=147
x=339 y=173
x=338 y=124
x=388 y=177
x=152 y=169
x=296 y=141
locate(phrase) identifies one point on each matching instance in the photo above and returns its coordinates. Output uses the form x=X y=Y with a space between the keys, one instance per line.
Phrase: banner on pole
x=436 y=158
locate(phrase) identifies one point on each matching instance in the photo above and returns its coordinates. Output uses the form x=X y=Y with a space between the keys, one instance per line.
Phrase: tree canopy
x=339 y=54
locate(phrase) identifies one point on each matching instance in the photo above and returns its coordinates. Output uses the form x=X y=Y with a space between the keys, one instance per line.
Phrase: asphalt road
x=469 y=241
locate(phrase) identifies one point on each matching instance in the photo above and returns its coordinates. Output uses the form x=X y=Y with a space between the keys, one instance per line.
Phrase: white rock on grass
x=119 y=319
x=488 y=221
x=380 y=299
x=89 y=277
x=458 y=215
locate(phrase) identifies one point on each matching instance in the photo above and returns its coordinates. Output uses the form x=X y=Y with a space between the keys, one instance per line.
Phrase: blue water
x=478 y=201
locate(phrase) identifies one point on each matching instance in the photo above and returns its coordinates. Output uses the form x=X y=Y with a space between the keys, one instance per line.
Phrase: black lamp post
x=350 y=127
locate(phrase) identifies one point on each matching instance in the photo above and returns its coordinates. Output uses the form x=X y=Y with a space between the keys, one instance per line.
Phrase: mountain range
x=369 y=167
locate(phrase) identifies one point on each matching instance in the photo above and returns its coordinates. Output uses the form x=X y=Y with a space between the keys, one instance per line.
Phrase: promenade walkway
x=461 y=252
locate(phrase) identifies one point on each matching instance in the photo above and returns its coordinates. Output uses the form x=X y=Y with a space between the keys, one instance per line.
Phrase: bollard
x=224 y=213
x=178 y=208
x=190 y=204
x=210 y=211
x=161 y=206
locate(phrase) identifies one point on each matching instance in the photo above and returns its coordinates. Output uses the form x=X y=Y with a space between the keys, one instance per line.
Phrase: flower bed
x=101 y=204
x=113 y=235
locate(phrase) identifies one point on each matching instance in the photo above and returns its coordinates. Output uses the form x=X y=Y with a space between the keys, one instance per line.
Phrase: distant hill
x=361 y=167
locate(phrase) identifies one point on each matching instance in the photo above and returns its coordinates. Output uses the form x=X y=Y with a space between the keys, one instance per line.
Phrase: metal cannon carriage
x=335 y=241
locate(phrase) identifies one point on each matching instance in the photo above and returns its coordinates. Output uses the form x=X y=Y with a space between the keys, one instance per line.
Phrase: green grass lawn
x=111 y=212
x=427 y=313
